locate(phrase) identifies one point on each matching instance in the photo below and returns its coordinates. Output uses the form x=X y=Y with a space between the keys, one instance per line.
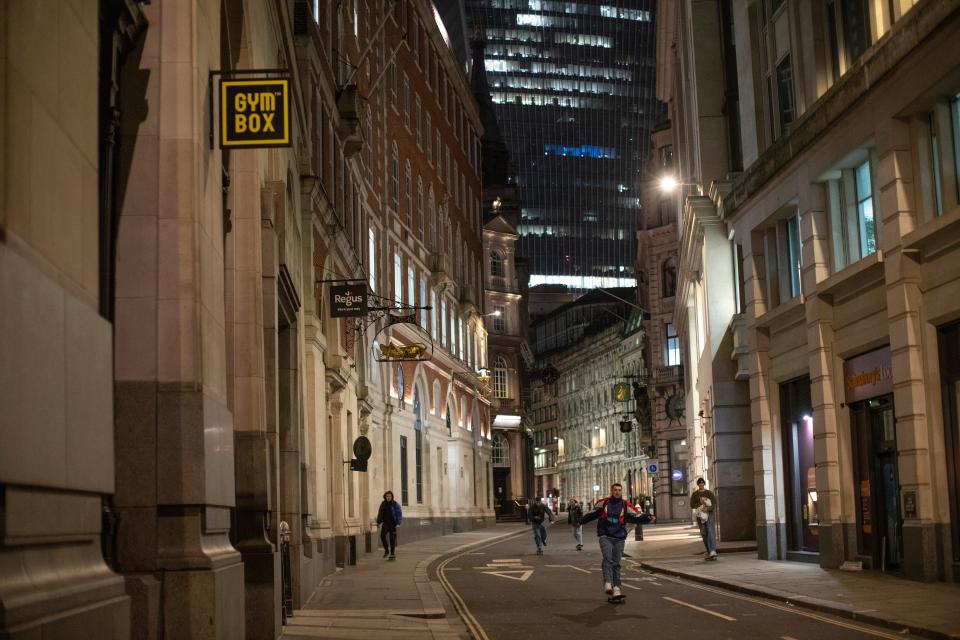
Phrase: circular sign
x=596 y=487
x=677 y=474
x=652 y=468
x=362 y=448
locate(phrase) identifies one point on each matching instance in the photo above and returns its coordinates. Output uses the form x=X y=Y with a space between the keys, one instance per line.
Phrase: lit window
x=499 y=319
x=500 y=377
x=853 y=227
x=372 y=258
x=672 y=347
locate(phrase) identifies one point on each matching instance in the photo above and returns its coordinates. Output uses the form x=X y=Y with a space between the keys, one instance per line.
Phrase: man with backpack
x=538 y=513
x=612 y=514
x=574 y=518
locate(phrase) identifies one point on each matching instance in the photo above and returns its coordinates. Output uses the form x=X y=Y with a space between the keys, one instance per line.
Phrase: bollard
x=638 y=532
x=285 y=570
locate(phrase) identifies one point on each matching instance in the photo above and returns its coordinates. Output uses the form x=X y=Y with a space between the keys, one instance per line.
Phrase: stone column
x=815 y=233
x=895 y=180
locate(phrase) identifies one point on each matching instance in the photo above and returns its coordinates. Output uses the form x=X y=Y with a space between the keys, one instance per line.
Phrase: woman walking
x=389 y=518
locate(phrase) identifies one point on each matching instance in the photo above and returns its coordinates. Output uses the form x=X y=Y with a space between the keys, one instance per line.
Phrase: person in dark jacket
x=389 y=518
x=538 y=513
x=574 y=518
x=612 y=514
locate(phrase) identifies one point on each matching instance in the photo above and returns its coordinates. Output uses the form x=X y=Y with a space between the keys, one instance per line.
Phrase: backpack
x=536 y=512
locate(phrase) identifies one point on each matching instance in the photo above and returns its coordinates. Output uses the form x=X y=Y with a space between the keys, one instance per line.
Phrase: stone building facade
x=657 y=260
x=169 y=302
x=841 y=233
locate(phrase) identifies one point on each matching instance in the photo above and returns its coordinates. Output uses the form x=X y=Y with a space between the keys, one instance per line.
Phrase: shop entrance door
x=800 y=478
x=879 y=521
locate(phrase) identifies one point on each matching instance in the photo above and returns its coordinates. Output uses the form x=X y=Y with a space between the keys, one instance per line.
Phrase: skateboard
x=621 y=599
x=392 y=558
x=709 y=558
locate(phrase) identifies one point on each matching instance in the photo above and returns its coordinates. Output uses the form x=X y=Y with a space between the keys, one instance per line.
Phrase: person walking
x=538 y=513
x=389 y=518
x=612 y=514
x=574 y=517
x=704 y=505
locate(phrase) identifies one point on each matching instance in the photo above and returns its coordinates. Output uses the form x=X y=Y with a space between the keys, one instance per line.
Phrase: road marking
x=453 y=568
x=633 y=587
x=523 y=577
x=561 y=566
x=507 y=561
x=789 y=609
x=787 y=638
x=693 y=606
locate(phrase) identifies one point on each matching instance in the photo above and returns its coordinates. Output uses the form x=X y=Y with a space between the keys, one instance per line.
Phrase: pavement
x=392 y=599
x=926 y=609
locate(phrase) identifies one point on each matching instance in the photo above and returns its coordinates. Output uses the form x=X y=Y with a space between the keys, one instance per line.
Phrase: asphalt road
x=505 y=591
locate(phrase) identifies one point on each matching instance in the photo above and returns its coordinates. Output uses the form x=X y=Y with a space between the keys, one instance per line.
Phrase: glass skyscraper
x=573 y=87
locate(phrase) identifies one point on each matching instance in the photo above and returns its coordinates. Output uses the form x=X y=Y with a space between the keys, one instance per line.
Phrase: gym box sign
x=255 y=113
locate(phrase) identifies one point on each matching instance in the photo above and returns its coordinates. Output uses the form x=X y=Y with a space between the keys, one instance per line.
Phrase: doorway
x=879 y=520
x=800 y=477
x=503 y=500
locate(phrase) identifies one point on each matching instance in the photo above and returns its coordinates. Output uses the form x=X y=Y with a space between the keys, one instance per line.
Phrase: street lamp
x=669 y=183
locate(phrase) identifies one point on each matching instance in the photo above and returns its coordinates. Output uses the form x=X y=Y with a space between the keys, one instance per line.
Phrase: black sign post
x=348 y=300
x=255 y=113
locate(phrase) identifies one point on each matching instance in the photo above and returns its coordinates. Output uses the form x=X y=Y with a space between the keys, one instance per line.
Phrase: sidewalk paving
x=377 y=594
x=928 y=609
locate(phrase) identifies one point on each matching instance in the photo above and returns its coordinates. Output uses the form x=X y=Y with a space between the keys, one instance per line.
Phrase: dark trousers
x=388 y=533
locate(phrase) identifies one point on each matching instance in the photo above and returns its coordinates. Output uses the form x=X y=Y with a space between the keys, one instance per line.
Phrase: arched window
x=496 y=264
x=500 y=377
x=395 y=160
x=500 y=450
x=669 y=278
x=418 y=454
x=449 y=424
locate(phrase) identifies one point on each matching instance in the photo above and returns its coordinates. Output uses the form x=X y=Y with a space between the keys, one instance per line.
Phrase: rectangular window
x=678 y=468
x=397 y=278
x=671 y=351
x=404 y=491
x=372 y=259
x=418 y=460
x=439 y=156
x=428 y=136
x=460 y=338
x=419 y=122
x=443 y=323
x=433 y=315
x=793 y=264
x=406 y=101
x=411 y=286
x=423 y=303
x=787 y=112
x=782 y=251
x=499 y=319
x=855 y=16
x=852 y=220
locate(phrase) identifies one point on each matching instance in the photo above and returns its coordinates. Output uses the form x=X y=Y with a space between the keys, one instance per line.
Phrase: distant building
x=572 y=84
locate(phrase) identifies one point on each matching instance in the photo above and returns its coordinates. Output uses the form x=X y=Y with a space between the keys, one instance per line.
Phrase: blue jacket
x=382 y=513
x=612 y=514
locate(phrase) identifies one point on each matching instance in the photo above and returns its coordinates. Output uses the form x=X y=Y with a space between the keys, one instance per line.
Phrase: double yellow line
x=473 y=625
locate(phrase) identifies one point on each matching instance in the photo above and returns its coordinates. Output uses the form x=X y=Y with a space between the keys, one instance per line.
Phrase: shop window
x=678 y=467
x=852 y=216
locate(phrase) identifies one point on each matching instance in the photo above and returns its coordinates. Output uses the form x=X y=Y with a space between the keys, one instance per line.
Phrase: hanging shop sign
x=255 y=113
x=348 y=300
x=621 y=392
x=868 y=375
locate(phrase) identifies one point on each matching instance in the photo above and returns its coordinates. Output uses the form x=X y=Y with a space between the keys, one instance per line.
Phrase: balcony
x=671 y=373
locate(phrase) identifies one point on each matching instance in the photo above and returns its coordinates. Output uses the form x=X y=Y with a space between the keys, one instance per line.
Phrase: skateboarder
x=574 y=518
x=612 y=514
x=389 y=518
x=538 y=513
x=703 y=503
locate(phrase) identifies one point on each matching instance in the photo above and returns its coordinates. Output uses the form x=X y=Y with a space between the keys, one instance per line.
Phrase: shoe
x=539 y=552
x=608 y=588
x=712 y=556
x=386 y=553
x=579 y=547
x=616 y=593
x=393 y=556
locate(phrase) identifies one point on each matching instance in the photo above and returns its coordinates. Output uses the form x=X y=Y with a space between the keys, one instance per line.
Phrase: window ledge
x=853 y=277
x=782 y=311
x=935 y=236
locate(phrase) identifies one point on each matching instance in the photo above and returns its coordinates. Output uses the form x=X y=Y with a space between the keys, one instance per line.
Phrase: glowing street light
x=668 y=183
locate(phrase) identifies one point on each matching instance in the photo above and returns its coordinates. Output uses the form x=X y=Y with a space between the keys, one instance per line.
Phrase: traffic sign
x=652 y=468
x=677 y=474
